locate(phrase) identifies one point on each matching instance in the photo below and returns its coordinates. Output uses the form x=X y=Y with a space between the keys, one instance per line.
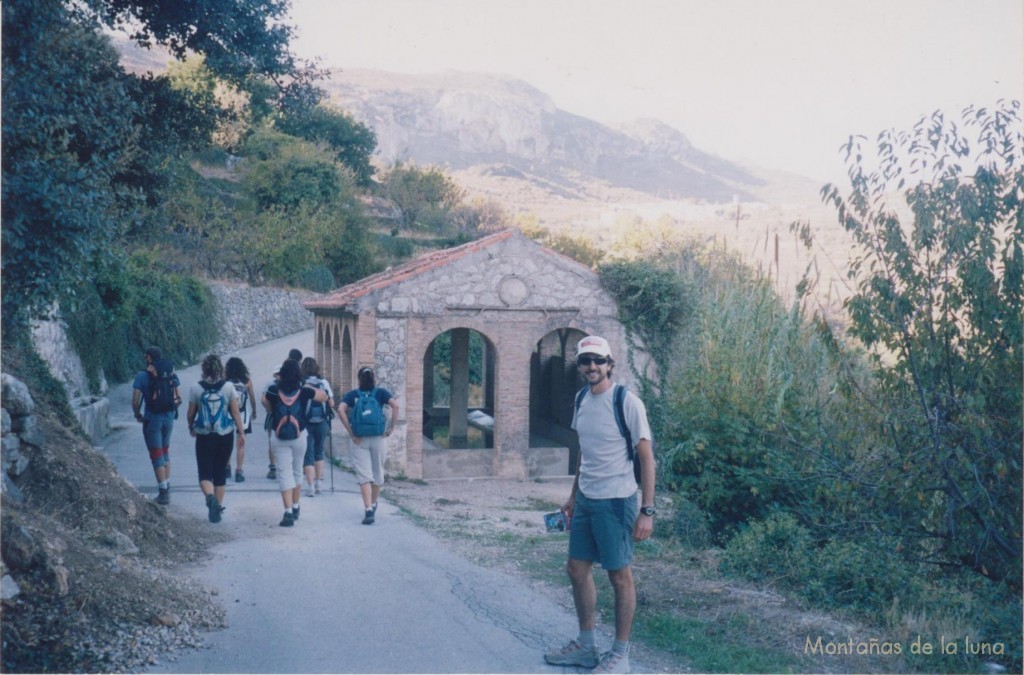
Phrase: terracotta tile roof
x=346 y=295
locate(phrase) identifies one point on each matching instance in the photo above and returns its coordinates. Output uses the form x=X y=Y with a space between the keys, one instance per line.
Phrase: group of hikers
x=298 y=406
x=610 y=506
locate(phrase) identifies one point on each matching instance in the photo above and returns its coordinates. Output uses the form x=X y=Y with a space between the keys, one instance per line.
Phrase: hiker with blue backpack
x=318 y=427
x=214 y=420
x=285 y=402
x=361 y=412
x=602 y=511
x=156 y=396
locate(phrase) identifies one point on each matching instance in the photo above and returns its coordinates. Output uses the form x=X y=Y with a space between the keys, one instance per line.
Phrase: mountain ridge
x=460 y=120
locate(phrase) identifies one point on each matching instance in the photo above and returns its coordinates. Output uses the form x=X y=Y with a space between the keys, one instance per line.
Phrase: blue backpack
x=212 y=416
x=367 y=415
x=618 y=404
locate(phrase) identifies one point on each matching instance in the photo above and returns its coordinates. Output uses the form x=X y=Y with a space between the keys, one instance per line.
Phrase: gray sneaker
x=613 y=663
x=573 y=654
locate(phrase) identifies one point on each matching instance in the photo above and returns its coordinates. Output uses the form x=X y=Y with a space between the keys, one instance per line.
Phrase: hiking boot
x=374 y=508
x=163 y=497
x=319 y=485
x=368 y=518
x=573 y=654
x=295 y=513
x=227 y=472
x=213 y=506
x=612 y=662
x=288 y=520
x=239 y=476
x=272 y=473
x=310 y=491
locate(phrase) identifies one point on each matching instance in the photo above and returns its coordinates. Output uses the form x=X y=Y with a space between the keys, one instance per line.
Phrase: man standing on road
x=602 y=508
x=158 y=387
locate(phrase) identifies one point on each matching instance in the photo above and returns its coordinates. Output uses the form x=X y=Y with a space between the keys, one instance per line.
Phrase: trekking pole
x=330 y=437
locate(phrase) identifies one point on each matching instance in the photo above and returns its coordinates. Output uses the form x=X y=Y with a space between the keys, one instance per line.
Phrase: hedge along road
x=330 y=594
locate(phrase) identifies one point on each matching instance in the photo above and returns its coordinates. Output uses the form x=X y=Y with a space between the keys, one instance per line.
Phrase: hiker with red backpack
x=156 y=395
x=214 y=420
x=285 y=402
x=362 y=413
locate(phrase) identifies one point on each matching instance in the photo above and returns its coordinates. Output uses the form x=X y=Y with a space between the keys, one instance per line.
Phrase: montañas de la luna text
x=874 y=646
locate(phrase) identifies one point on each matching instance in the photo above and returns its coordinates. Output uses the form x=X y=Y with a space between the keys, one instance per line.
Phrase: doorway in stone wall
x=554 y=381
x=458 y=391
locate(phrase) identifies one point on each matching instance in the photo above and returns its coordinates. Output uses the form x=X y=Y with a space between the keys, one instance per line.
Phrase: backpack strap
x=619 y=403
x=579 y=396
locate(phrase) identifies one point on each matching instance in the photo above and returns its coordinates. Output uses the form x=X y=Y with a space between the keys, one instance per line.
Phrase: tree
x=84 y=142
x=284 y=171
x=426 y=197
x=353 y=143
x=938 y=301
x=238 y=38
x=69 y=136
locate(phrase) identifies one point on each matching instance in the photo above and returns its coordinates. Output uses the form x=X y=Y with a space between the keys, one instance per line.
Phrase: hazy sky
x=782 y=83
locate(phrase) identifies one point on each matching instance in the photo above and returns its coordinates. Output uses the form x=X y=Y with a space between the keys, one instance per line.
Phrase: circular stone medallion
x=513 y=291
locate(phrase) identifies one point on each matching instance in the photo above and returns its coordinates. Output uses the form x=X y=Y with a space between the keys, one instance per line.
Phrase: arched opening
x=346 y=363
x=554 y=381
x=458 y=390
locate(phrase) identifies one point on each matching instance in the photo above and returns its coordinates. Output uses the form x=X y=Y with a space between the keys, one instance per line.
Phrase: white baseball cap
x=592 y=344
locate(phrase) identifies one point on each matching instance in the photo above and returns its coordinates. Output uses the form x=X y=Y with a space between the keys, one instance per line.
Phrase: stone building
x=478 y=344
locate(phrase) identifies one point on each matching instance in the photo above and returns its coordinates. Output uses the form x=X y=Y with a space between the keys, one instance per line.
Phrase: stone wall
x=250 y=316
x=20 y=428
x=247 y=316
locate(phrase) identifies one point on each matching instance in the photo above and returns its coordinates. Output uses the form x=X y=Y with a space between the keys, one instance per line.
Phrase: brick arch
x=345 y=382
x=554 y=382
x=459 y=401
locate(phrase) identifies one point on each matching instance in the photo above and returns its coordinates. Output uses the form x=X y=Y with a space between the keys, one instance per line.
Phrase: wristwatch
x=647 y=510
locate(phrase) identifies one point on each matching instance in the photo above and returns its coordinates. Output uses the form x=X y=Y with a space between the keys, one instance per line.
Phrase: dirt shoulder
x=684 y=607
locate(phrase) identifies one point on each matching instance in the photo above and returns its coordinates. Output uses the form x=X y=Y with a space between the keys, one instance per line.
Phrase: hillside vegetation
x=868 y=462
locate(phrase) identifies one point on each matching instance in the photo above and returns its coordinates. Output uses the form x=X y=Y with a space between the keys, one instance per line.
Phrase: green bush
x=690 y=525
x=317 y=278
x=132 y=307
x=777 y=549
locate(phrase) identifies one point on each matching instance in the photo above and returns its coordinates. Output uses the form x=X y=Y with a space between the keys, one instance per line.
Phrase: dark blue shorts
x=602 y=531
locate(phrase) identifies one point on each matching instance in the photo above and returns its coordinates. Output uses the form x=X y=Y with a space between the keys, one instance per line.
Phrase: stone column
x=458 y=427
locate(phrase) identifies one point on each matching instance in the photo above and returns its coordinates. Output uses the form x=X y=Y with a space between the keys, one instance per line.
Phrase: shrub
x=316 y=278
x=776 y=549
x=690 y=525
x=135 y=306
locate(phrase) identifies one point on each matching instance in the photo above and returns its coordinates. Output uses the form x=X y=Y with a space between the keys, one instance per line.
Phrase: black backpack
x=161 y=390
x=618 y=403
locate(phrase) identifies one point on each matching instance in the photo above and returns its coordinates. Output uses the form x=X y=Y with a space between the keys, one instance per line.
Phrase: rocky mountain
x=505 y=127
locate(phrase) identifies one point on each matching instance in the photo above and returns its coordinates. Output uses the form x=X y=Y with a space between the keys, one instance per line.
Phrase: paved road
x=331 y=595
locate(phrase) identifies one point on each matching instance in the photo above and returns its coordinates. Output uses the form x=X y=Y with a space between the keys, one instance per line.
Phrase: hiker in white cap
x=603 y=514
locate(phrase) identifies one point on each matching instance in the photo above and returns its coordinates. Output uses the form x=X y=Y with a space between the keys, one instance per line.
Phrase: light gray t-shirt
x=606 y=471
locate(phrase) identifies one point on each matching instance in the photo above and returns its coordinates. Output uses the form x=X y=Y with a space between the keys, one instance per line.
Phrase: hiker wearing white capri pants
x=362 y=413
